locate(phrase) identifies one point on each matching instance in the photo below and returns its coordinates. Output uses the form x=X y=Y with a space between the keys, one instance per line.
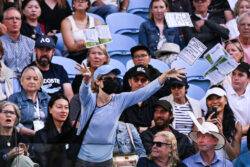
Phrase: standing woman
x=31 y=100
x=72 y=28
x=154 y=32
x=51 y=141
x=98 y=143
x=53 y=12
x=31 y=12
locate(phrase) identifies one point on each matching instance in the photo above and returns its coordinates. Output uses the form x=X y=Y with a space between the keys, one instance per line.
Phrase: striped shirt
x=182 y=121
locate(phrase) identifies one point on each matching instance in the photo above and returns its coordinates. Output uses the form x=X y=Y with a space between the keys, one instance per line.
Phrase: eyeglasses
x=160 y=144
x=142 y=80
x=13 y=18
x=8 y=112
x=140 y=56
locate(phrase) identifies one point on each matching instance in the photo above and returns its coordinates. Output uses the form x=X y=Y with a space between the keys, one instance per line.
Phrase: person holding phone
x=225 y=120
x=107 y=106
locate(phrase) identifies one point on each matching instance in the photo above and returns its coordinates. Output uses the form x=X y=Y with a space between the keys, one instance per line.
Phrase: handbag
x=126 y=160
x=75 y=144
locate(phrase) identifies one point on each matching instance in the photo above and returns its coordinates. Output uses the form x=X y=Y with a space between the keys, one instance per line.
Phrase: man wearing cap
x=163 y=117
x=141 y=56
x=238 y=94
x=181 y=105
x=208 y=139
x=55 y=78
x=18 y=49
x=140 y=114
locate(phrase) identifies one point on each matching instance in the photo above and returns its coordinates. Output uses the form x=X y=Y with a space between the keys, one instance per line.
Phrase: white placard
x=192 y=51
x=178 y=19
x=233 y=29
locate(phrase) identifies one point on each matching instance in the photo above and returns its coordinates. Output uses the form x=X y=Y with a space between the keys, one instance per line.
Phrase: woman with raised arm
x=107 y=106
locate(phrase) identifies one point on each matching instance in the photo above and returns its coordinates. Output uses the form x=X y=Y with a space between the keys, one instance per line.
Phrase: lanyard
x=37 y=110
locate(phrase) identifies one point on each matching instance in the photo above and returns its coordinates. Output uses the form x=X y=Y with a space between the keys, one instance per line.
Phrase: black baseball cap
x=174 y=81
x=165 y=104
x=45 y=41
x=139 y=70
x=139 y=47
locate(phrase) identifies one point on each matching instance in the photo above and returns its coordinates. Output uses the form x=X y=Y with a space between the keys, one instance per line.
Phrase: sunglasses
x=142 y=80
x=8 y=112
x=160 y=144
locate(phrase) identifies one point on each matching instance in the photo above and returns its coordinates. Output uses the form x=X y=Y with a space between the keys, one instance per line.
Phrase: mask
x=110 y=85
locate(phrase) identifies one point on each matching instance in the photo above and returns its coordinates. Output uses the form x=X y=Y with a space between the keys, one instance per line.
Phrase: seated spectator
x=244 y=159
x=168 y=53
x=180 y=6
x=241 y=6
x=243 y=21
x=163 y=117
x=163 y=153
x=235 y=49
x=13 y=151
x=96 y=57
x=31 y=11
x=223 y=9
x=140 y=114
x=207 y=142
x=32 y=102
x=207 y=25
x=50 y=143
x=18 y=49
x=53 y=12
x=105 y=7
x=141 y=56
x=154 y=32
x=72 y=30
x=238 y=94
x=55 y=78
x=181 y=104
x=127 y=144
x=9 y=84
x=225 y=120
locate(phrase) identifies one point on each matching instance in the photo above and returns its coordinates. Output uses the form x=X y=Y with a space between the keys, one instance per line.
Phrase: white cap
x=215 y=91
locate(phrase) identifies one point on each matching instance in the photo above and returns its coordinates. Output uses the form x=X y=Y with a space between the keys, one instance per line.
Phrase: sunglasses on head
x=160 y=144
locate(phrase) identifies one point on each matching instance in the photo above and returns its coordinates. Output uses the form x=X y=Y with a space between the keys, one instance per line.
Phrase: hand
x=85 y=72
x=80 y=44
x=176 y=73
x=3 y=29
x=199 y=24
x=15 y=152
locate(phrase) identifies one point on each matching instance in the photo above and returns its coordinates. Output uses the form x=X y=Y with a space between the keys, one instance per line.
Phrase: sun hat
x=215 y=91
x=212 y=129
x=167 y=48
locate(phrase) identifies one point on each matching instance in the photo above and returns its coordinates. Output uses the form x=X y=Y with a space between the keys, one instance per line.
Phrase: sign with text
x=178 y=19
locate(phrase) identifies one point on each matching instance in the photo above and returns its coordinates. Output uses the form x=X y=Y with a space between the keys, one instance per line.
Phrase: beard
x=43 y=61
x=161 y=124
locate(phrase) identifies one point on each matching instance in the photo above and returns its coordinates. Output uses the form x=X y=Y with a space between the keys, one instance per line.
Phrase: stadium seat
x=97 y=17
x=59 y=43
x=125 y=23
x=195 y=92
x=139 y=7
x=120 y=46
x=158 y=64
x=200 y=81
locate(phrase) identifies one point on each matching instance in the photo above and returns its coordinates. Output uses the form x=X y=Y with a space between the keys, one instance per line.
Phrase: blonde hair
x=17 y=111
x=36 y=70
x=237 y=5
x=104 y=50
x=170 y=139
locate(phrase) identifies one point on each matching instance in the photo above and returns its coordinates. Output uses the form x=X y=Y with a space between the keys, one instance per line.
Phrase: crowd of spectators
x=143 y=118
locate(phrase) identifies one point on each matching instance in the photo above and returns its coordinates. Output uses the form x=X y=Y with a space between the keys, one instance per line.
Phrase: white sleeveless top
x=77 y=33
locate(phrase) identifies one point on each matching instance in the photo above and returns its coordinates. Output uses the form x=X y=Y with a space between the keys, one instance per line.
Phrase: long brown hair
x=151 y=6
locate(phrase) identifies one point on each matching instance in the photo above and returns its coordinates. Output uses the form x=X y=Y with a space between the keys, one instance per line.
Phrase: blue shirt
x=17 y=54
x=197 y=161
x=99 y=140
x=243 y=160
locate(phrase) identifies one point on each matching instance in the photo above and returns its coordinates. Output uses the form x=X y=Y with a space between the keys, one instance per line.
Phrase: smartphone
x=210 y=111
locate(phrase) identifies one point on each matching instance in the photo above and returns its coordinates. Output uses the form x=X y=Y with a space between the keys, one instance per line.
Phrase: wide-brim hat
x=212 y=129
x=167 y=48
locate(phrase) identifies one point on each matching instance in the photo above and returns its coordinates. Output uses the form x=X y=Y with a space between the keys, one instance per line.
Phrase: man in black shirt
x=163 y=116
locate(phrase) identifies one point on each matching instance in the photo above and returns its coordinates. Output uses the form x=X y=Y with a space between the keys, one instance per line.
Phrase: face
x=244 y=27
x=30 y=81
x=206 y=141
x=44 y=56
x=234 y=52
x=107 y=76
x=244 y=7
x=158 y=10
x=141 y=57
x=178 y=91
x=138 y=82
x=80 y=5
x=239 y=80
x=32 y=10
x=216 y=101
x=162 y=117
x=8 y=117
x=60 y=110
x=96 y=57
x=12 y=20
x=201 y=6
x=160 y=152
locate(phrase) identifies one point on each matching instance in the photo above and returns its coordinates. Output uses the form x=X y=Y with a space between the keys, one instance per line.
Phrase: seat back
x=139 y=7
x=97 y=17
x=195 y=92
